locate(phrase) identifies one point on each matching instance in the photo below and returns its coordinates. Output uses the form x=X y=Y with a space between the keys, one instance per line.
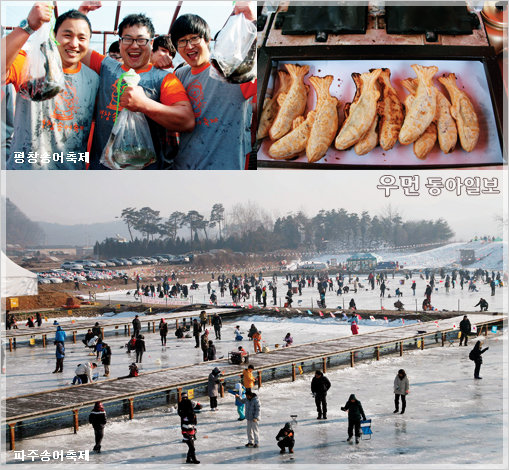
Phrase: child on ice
x=241 y=392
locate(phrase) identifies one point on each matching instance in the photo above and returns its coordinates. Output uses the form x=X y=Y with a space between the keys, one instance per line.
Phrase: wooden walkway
x=72 y=398
x=47 y=332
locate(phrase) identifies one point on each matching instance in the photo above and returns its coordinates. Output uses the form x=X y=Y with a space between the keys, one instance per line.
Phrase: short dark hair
x=318 y=372
x=71 y=15
x=250 y=366
x=164 y=41
x=114 y=47
x=189 y=24
x=135 y=20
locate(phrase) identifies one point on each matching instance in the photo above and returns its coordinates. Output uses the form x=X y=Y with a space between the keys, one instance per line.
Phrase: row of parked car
x=79 y=265
x=57 y=276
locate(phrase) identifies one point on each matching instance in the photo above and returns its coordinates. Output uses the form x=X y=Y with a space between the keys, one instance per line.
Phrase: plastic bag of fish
x=44 y=75
x=234 y=55
x=130 y=145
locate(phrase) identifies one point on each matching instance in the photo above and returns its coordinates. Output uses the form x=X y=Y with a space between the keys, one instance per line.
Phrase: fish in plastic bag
x=234 y=55
x=44 y=75
x=130 y=145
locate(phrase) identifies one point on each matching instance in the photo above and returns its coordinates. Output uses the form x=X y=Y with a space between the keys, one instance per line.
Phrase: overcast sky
x=88 y=197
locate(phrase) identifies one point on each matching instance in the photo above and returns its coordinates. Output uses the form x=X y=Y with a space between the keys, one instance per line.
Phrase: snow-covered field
x=489 y=255
x=452 y=421
x=365 y=298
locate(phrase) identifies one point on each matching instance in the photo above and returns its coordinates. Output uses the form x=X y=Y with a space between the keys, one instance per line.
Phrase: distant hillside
x=20 y=230
x=81 y=234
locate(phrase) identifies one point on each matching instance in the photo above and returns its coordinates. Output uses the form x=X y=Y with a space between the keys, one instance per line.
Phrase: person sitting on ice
x=398 y=292
x=288 y=340
x=131 y=344
x=238 y=336
x=482 y=304
x=426 y=305
x=286 y=438
x=399 y=305
x=91 y=344
x=30 y=322
x=355 y=328
x=88 y=336
x=133 y=370
x=252 y=331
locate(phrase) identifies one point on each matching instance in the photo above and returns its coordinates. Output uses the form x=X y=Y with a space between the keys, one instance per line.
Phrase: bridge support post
x=259 y=378
x=153 y=327
x=324 y=365
x=443 y=339
x=43 y=341
x=377 y=352
x=131 y=408
x=12 y=433
x=128 y=330
x=221 y=388
x=401 y=348
x=422 y=342
x=293 y=372
x=352 y=359
x=125 y=330
x=176 y=324
x=75 y=420
x=167 y=396
x=74 y=337
x=179 y=394
x=14 y=342
x=102 y=333
x=10 y=344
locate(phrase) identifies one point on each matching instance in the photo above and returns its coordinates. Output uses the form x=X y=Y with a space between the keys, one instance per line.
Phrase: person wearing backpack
x=476 y=356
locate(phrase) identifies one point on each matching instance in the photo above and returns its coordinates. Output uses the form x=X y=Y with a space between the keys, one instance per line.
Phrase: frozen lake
x=452 y=420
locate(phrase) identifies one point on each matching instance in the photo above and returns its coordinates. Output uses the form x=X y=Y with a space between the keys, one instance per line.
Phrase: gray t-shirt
x=222 y=137
x=55 y=128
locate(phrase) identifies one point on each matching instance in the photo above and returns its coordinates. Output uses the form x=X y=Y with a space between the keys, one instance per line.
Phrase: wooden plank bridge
x=72 y=398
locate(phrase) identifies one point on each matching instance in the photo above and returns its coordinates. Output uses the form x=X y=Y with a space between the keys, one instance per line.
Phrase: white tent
x=15 y=280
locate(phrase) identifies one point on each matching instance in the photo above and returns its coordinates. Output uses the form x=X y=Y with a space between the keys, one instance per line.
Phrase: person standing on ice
x=97 y=419
x=60 y=334
x=476 y=356
x=241 y=392
x=163 y=331
x=136 y=326
x=252 y=416
x=140 y=348
x=492 y=285
x=355 y=328
x=188 y=426
x=60 y=355
x=286 y=438
x=288 y=340
x=355 y=411
x=413 y=287
x=217 y=323
x=427 y=292
x=465 y=329
x=38 y=319
x=319 y=387
x=248 y=378
x=106 y=359
x=213 y=387
x=196 y=332
x=257 y=338
x=401 y=389
x=203 y=319
x=382 y=289
x=352 y=305
x=204 y=343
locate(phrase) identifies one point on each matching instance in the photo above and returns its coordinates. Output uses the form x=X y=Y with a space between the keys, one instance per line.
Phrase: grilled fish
x=463 y=112
x=369 y=140
x=292 y=103
x=422 y=110
x=271 y=106
x=425 y=143
x=325 y=123
x=446 y=127
x=294 y=142
x=390 y=111
x=362 y=110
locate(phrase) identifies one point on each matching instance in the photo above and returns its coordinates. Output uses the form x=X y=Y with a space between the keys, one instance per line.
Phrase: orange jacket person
x=248 y=377
x=256 y=339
